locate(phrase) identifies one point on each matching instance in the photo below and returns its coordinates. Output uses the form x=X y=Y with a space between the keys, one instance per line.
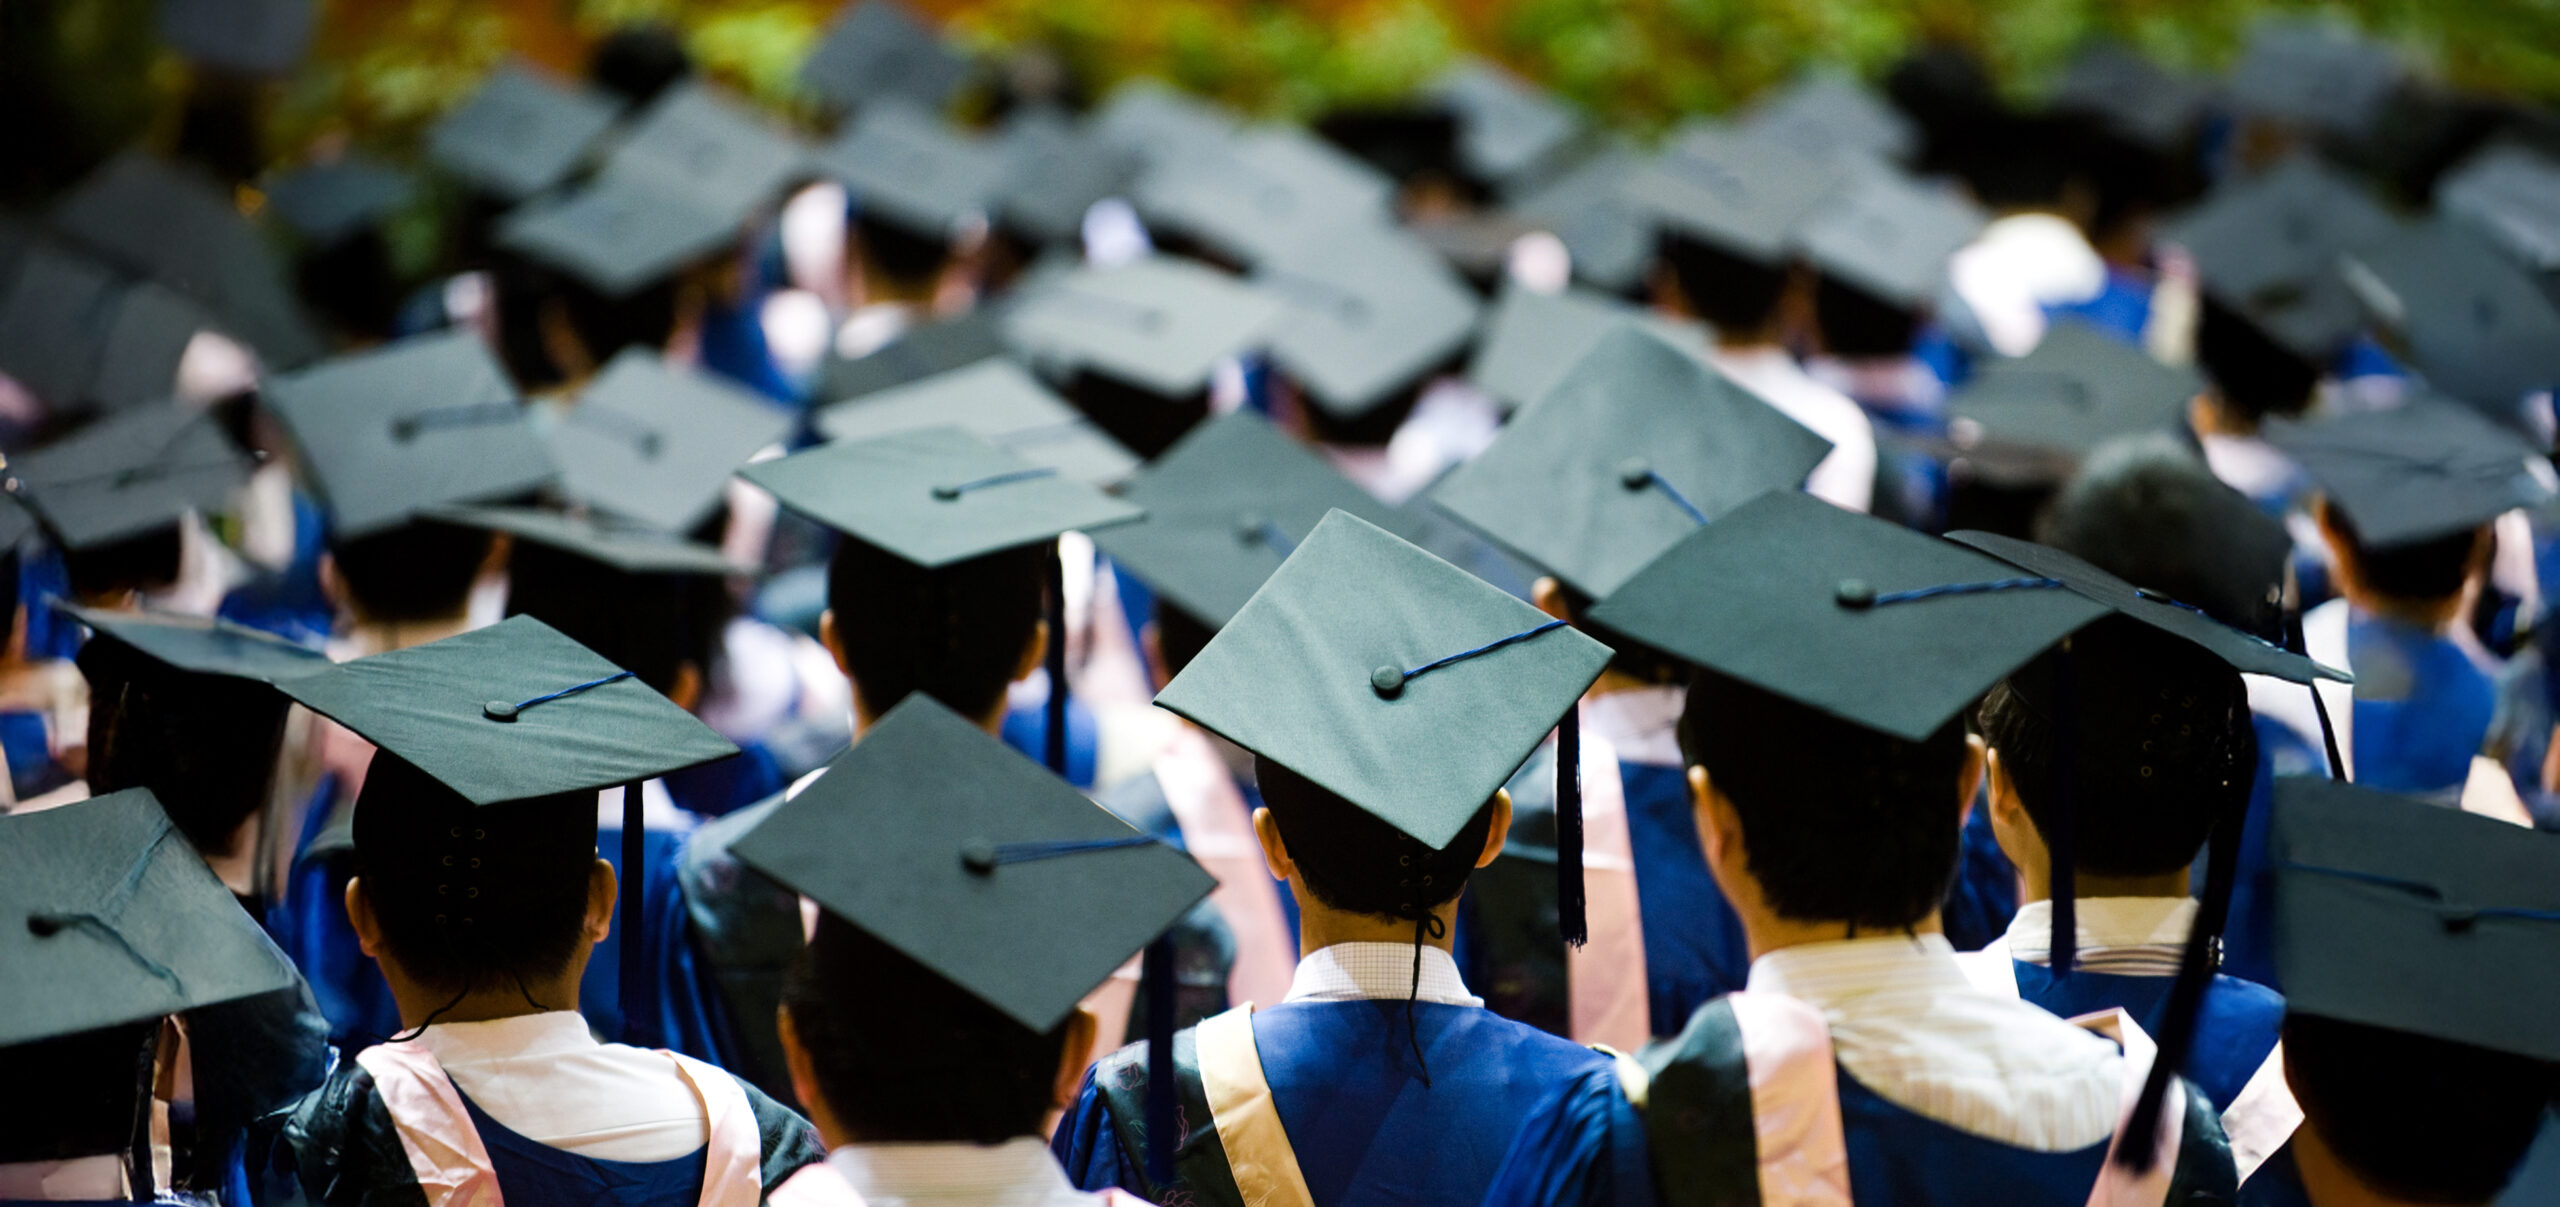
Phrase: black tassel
x=2319 y=707
x=634 y=987
x=2063 y=844
x=1156 y=985
x=1054 y=741
x=1571 y=912
x=2177 y=1033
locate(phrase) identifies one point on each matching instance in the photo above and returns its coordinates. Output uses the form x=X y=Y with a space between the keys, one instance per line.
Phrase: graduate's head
x=1856 y=324
x=2431 y=571
x=1828 y=820
x=907 y=260
x=1735 y=294
x=107 y=571
x=95 y=1091
x=1628 y=656
x=2165 y=747
x=664 y=628
x=2410 y=1118
x=1352 y=861
x=1144 y=421
x=636 y=62
x=421 y=570
x=554 y=327
x=960 y=632
x=1175 y=639
x=204 y=744
x=2148 y=511
x=2253 y=376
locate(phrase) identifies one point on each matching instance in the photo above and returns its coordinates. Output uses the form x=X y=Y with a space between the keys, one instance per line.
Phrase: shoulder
x=789 y=1142
x=739 y=912
x=338 y=1144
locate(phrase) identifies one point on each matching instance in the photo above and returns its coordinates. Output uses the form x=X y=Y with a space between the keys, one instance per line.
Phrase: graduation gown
x=1319 y=1103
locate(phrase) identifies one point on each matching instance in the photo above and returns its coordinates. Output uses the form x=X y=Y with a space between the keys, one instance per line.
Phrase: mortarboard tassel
x=1571 y=915
x=2063 y=844
x=2293 y=641
x=137 y=1163
x=634 y=988
x=1054 y=741
x=1156 y=983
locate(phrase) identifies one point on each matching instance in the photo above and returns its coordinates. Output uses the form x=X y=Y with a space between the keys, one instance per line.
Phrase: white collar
x=1356 y=972
x=1018 y=1171
x=1829 y=974
x=1641 y=723
x=548 y=1034
x=2127 y=936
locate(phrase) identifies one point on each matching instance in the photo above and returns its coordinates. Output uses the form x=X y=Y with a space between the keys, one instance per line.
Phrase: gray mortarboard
x=998 y=400
x=2268 y=247
x=2479 y=326
x=1055 y=171
x=2132 y=95
x=622 y=550
x=1225 y=506
x=1477 y=244
x=326 y=202
x=2425 y=469
x=201 y=646
x=114 y=919
x=1532 y=339
x=2508 y=191
x=2400 y=914
x=1830 y=115
x=253 y=37
x=656 y=443
x=2078 y=389
x=935 y=496
x=925 y=351
x=701 y=143
x=147 y=335
x=1160 y=323
x=1508 y=128
x=617 y=235
x=1370 y=312
x=129 y=473
x=1259 y=192
x=521 y=133
x=176 y=226
x=419 y=422
x=2317 y=73
x=915 y=170
x=53 y=313
x=1608 y=232
x=881 y=50
x=1890 y=236
x=1157 y=120
x=1735 y=191
x=1638 y=446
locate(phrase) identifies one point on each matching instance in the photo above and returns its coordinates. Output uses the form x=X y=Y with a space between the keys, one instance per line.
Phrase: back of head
x=92 y=1100
x=2253 y=375
x=1857 y=324
x=353 y=283
x=204 y=744
x=421 y=570
x=2420 y=571
x=1355 y=862
x=652 y=625
x=1730 y=292
x=911 y=259
x=2417 y=1119
x=1180 y=636
x=902 y=1055
x=2149 y=512
x=2165 y=744
x=1840 y=822
x=528 y=294
x=637 y=62
x=147 y=561
x=1143 y=421
x=2021 y=161
x=1627 y=656
x=956 y=633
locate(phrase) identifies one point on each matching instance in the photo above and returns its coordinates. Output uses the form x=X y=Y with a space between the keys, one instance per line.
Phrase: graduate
x=2413 y=940
x=126 y=942
x=1379 y=1077
x=932 y=1024
x=479 y=892
x=921 y=194
x=1145 y=348
x=1830 y=775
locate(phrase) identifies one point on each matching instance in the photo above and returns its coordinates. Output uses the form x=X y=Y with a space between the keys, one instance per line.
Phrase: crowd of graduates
x=1901 y=646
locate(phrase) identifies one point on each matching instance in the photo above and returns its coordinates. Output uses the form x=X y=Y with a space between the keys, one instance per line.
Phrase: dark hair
x=1143 y=421
x=902 y=1055
x=93 y=1101
x=902 y=253
x=1842 y=823
x=146 y=561
x=352 y=283
x=2412 y=1117
x=2434 y=568
x=1731 y=293
x=471 y=897
x=955 y=632
x=2252 y=374
x=1180 y=636
x=1855 y=323
x=2165 y=744
x=1354 y=862
x=1371 y=428
x=1628 y=656
x=604 y=324
x=420 y=570
x=2014 y=160
x=637 y=62
x=205 y=745
x=2146 y=510
x=649 y=624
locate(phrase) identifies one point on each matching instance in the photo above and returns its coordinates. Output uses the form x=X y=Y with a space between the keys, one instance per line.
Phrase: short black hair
x=955 y=632
x=145 y=561
x=95 y=1085
x=652 y=625
x=1180 y=636
x=637 y=62
x=472 y=897
x=2435 y=568
x=1842 y=823
x=2144 y=508
x=1354 y=862
x=1856 y=323
x=2253 y=375
x=205 y=745
x=2165 y=744
x=2416 y=1118
x=1627 y=656
x=420 y=570
x=903 y=1056
x=1730 y=292
x=899 y=251
x=1142 y=420
x=605 y=324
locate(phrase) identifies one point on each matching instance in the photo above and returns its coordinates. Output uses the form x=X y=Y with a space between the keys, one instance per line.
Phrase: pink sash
x=1605 y=977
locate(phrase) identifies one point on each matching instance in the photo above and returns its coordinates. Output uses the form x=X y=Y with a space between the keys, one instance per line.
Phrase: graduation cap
x=2505 y=191
x=1225 y=506
x=2078 y=389
x=1607 y=232
x=656 y=443
x=611 y=548
x=701 y=144
x=1830 y=115
x=391 y=431
x=128 y=474
x=2268 y=248
x=1259 y=191
x=1055 y=170
x=1369 y=313
x=1738 y=192
x=521 y=133
x=252 y=37
x=618 y=236
x=925 y=351
x=1890 y=236
x=2131 y=95
x=2479 y=326
x=1639 y=445
x=1159 y=323
x=1399 y=683
x=115 y=919
x=204 y=646
x=2316 y=73
x=1158 y=121
x=995 y=399
x=149 y=328
x=915 y=170
x=326 y=202
x=2425 y=469
x=1508 y=128
x=54 y=312
x=1532 y=339
x=881 y=50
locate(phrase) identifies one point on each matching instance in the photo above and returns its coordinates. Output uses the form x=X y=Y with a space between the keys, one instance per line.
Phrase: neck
x=418 y=1003
x=2327 y=1180
x=1766 y=932
x=864 y=716
x=2433 y=615
x=1750 y=339
x=1321 y=926
x=2036 y=884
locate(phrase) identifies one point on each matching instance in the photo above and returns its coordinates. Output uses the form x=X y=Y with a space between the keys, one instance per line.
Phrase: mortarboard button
x=979 y=856
x=1854 y=594
x=498 y=710
x=1387 y=681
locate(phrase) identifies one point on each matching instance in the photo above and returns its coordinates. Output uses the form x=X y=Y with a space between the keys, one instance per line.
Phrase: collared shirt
x=548 y=1080
x=1641 y=723
x=1017 y=1173
x=1906 y=1023
x=2123 y=936
x=1847 y=476
x=1358 y=972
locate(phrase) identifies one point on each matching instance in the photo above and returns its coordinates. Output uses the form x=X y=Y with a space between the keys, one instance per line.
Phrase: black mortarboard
x=129 y=473
x=998 y=400
x=1369 y=313
x=2421 y=470
x=1830 y=115
x=1734 y=191
x=617 y=236
x=54 y=313
x=326 y=202
x=521 y=133
x=2132 y=95
x=2400 y=914
x=1508 y=128
x=1890 y=236
x=1157 y=120
x=1054 y=172
x=2078 y=389
x=2506 y=191
x=422 y=421
x=914 y=170
x=253 y=37
x=656 y=443
x=925 y=351
x=115 y=919
x=703 y=144
x=178 y=227
x=1532 y=338
x=1160 y=323
x=615 y=548
x=1608 y=232
x=2480 y=327
x=147 y=335
x=878 y=50
x=199 y=646
x=1225 y=506
x=934 y=496
x=1259 y=191
x=1639 y=445
x=2268 y=247
x=2317 y=73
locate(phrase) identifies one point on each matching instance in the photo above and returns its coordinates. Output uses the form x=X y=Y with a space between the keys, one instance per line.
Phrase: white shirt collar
x=1641 y=723
x=1017 y=1173
x=1355 y=972
x=550 y=1033
x=2126 y=936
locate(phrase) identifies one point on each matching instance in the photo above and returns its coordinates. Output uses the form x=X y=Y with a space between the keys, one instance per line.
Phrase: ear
x=1275 y=853
x=560 y=342
x=1151 y=643
x=1034 y=651
x=1548 y=594
x=686 y=691
x=833 y=638
x=333 y=585
x=804 y=1080
x=360 y=916
x=1074 y=1057
x=1713 y=815
x=1978 y=759
x=494 y=561
x=1500 y=833
x=603 y=888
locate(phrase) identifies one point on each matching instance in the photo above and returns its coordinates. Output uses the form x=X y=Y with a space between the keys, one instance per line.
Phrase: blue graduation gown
x=682 y=1010
x=2422 y=707
x=2236 y=1026
x=1693 y=943
x=530 y=1171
